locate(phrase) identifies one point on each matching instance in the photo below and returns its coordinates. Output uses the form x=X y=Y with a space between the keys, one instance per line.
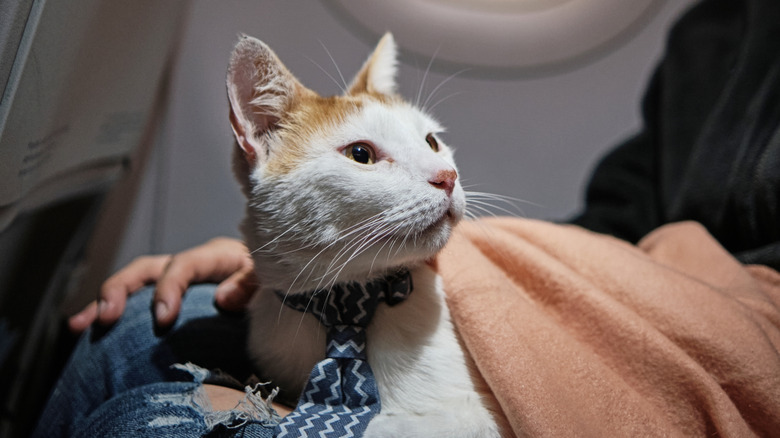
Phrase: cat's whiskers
x=309 y=245
x=341 y=87
x=391 y=221
x=424 y=106
x=390 y=253
x=391 y=242
x=367 y=227
x=357 y=247
x=303 y=318
x=400 y=215
x=369 y=243
x=425 y=77
x=488 y=208
x=359 y=243
x=490 y=202
x=274 y=240
x=443 y=99
x=403 y=242
x=481 y=202
x=352 y=230
x=469 y=215
x=495 y=196
x=338 y=70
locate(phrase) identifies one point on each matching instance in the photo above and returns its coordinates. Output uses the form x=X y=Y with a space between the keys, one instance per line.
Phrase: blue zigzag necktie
x=341 y=396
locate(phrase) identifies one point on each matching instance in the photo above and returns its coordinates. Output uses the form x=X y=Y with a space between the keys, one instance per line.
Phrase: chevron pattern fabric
x=341 y=396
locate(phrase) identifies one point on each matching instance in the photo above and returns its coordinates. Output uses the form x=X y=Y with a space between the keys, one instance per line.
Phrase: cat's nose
x=445 y=180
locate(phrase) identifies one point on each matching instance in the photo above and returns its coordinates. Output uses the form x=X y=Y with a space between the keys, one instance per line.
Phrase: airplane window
x=522 y=36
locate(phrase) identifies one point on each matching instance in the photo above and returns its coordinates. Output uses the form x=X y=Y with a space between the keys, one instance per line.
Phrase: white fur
x=312 y=227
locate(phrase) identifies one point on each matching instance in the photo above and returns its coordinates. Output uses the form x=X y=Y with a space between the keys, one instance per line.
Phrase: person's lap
x=122 y=378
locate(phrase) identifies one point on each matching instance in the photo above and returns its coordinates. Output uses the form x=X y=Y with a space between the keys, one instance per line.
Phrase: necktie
x=341 y=396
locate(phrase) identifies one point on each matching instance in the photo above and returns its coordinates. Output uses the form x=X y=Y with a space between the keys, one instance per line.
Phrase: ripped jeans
x=134 y=380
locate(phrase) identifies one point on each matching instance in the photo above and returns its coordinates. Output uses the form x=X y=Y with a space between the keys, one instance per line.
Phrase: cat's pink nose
x=445 y=180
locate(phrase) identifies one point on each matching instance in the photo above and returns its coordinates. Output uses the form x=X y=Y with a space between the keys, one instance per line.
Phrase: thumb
x=234 y=293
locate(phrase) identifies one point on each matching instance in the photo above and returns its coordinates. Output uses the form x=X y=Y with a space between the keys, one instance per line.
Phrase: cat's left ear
x=378 y=73
x=261 y=92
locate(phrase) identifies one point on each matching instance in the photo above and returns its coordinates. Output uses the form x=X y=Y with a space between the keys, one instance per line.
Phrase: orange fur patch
x=310 y=117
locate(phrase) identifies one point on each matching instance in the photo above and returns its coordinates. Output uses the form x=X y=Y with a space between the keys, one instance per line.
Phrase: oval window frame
x=537 y=37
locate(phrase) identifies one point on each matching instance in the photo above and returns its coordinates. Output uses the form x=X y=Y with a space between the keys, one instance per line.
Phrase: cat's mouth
x=447 y=218
x=432 y=233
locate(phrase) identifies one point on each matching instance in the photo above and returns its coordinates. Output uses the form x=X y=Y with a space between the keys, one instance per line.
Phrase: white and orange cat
x=350 y=188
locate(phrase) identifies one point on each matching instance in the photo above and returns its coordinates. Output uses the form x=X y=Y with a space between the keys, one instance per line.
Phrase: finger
x=215 y=260
x=170 y=289
x=80 y=321
x=234 y=293
x=116 y=289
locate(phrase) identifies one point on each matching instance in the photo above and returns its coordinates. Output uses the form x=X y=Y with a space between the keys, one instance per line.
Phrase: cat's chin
x=448 y=220
x=434 y=237
x=439 y=231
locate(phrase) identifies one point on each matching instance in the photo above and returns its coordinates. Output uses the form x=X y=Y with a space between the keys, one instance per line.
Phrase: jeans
x=133 y=379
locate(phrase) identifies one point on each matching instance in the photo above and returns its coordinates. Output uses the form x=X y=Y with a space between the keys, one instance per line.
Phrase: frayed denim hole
x=252 y=408
x=198 y=374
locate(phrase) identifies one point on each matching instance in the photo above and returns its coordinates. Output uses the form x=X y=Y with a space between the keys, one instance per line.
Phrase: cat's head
x=339 y=188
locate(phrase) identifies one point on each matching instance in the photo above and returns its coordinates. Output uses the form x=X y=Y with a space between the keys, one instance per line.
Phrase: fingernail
x=160 y=310
x=77 y=319
x=102 y=307
x=225 y=289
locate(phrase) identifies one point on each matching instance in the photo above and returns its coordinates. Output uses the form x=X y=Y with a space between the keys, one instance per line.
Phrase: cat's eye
x=360 y=152
x=432 y=142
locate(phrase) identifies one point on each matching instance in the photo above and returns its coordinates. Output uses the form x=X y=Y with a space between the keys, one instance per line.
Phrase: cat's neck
x=285 y=269
x=279 y=276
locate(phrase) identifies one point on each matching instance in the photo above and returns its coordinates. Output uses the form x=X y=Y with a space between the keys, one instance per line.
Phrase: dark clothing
x=710 y=147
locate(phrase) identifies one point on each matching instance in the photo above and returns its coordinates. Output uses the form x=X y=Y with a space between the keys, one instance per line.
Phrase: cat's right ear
x=261 y=90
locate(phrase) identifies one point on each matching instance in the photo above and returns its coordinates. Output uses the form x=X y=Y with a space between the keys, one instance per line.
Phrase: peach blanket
x=580 y=334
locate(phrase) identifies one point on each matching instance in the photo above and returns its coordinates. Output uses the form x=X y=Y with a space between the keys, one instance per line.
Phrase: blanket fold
x=580 y=334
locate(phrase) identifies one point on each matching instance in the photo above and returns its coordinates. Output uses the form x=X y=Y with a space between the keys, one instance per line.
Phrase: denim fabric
x=120 y=381
x=157 y=409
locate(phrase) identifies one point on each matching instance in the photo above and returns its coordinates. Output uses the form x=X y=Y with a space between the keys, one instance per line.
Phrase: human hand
x=221 y=260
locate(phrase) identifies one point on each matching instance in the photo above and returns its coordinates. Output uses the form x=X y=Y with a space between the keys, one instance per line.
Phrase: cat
x=347 y=189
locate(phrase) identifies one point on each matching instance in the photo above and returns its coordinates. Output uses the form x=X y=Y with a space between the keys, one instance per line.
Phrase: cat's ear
x=261 y=90
x=378 y=72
